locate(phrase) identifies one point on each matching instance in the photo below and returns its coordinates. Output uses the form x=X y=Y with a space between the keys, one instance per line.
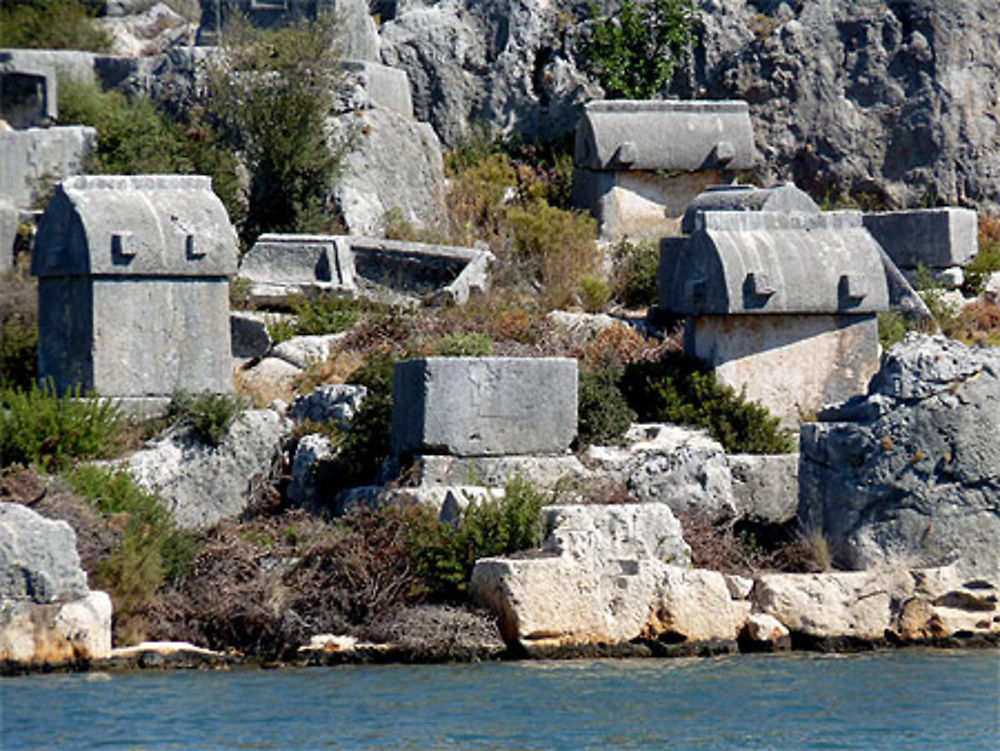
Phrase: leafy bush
x=476 y=198
x=269 y=94
x=603 y=413
x=559 y=247
x=52 y=25
x=594 y=293
x=320 y=313
x=39 y=426
x=149 y=551
x=892 y=327
x=636 y=267
x=209 y=415
x=134 y=138
x=18 y=351
x=463 y=344
x=633 y=53
x=680 y=390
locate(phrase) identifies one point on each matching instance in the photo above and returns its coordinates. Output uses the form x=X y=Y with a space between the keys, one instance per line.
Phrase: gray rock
x=38 y=558
x=484 y=406
x=310 y=452
x=32 y=160
x=133 y=293
x=911 y=473
x=371 y=85
x=546 y=472
x=8 y=233
x=204 y=484
x=36 y=636
x=149 y=32
x=936 y=238
x=662 y=463
x=249 y=335
x=765 y=488
x=395 y=164
x=303 y=351
x=335 y=404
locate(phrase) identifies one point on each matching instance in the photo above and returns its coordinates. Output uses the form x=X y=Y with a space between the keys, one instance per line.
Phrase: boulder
x=303 y=351
x=203 y=484
x=910 y=473
x=36 y=158
x=765 y=487
x=664 y=463
x=47 y=614
x=332 y=404
x=149 y=32
x=394 y=163
x=607 y=575
x=248 y=333
x=312 y=449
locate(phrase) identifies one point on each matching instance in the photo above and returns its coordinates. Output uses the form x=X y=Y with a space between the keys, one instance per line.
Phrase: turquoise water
x=893 y=700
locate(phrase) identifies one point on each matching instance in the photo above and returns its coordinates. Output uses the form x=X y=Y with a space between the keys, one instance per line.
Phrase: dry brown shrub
x=979 y=322
x=622 y=342
x=335 y=369
x=261 y=392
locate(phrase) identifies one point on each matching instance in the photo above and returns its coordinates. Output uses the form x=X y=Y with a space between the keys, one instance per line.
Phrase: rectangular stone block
x=484 y=406
x=8 y=233
x=937 y=238
x=31 y=159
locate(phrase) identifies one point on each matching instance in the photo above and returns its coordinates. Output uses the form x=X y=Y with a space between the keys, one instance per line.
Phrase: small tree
x=270 y=93
x=633 y=53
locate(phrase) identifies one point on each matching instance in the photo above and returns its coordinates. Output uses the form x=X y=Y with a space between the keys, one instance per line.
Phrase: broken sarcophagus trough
x=782 y=305
x=133 y=286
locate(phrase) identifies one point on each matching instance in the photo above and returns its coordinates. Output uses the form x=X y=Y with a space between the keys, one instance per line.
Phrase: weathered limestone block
x=47 y=614
x=8 y=233
x=484 y=406
x=203 y=484
x=370 y=85
x=936 y=238
x=28 y=93
x=333 y=404
x=495 y=471
x=664 y=463
x=30 y=160
x=910 y=474
x=306 y=350
x=785 y=198
x=596 y=581
x=133 y=293
x=312 y=450
x=765 y=488
x=692 y=605
x=279 y=264
x=765 y=629
x=248 y=334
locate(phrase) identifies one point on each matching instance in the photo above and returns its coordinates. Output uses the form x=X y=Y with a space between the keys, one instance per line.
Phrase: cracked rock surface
x=910 y=473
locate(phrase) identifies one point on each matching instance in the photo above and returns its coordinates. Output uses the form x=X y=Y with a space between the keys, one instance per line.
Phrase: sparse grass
x=463 y=344
x=208 y=415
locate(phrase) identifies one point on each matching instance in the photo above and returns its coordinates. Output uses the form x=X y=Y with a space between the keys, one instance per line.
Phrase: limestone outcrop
x=48 y=616
x=910 y=474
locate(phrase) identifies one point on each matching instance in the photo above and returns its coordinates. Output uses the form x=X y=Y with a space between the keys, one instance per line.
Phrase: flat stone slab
x=484 y=406
x=937 y=238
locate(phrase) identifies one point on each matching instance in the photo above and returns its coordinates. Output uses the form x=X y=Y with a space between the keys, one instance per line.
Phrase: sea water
x=909 y=699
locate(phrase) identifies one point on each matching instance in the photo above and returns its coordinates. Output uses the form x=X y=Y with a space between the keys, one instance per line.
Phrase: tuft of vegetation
x=603 y=413
x=684 y=391
x=634 y=281
x=18 y=351
x=269 y=93
x=633 y=53
x=39 y=426
x=463 y=344
x=892 y=328
x=317 y=312
x=987 y=259
x=52 y=25
x=149 y=549
x=208 y=415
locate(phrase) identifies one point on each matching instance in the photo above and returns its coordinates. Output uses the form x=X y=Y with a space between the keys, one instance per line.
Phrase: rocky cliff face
x=894 y=103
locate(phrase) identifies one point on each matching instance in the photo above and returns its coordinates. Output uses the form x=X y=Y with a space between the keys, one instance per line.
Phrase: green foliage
x=51 y=24
x=680 y=390
x=321 y=313
x=39 y=426
x=135 y=138
x=603 y=413
x=892 y=327
x=636 y=266
x=476 y=197
x=987 y=258
x=149 y=548
x=463 y=344
x=269 y=94
x=18 y=351
x=594 y=293
x=634 y=52
x=209 y=415
x=558 y=247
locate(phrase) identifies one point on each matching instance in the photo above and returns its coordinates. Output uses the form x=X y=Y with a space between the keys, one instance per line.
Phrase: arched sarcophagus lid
x=137 y=226
x=664 y=135
x=759 y=263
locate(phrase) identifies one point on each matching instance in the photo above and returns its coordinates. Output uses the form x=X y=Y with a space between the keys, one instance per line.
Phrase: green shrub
x=39 y=426
x=636 y=267
x=463 y=344
x=51 y=24
x=149 y=550
x=476 y=198
x=603 y=413
x=269 y=94
x=680 y=390
x=987 y=259
x=18 y=351
x=321 y=313
x=634 y=52
x=209 y=415
x=558 y=247
x=594 y=293
x=892 y=327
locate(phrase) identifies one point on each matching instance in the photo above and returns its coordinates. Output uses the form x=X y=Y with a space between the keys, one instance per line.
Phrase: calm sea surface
x=894 y=700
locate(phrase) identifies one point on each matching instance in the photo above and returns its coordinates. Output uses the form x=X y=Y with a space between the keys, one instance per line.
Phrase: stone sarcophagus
x=782 y=305
x=638 y=164
x=133 y=286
